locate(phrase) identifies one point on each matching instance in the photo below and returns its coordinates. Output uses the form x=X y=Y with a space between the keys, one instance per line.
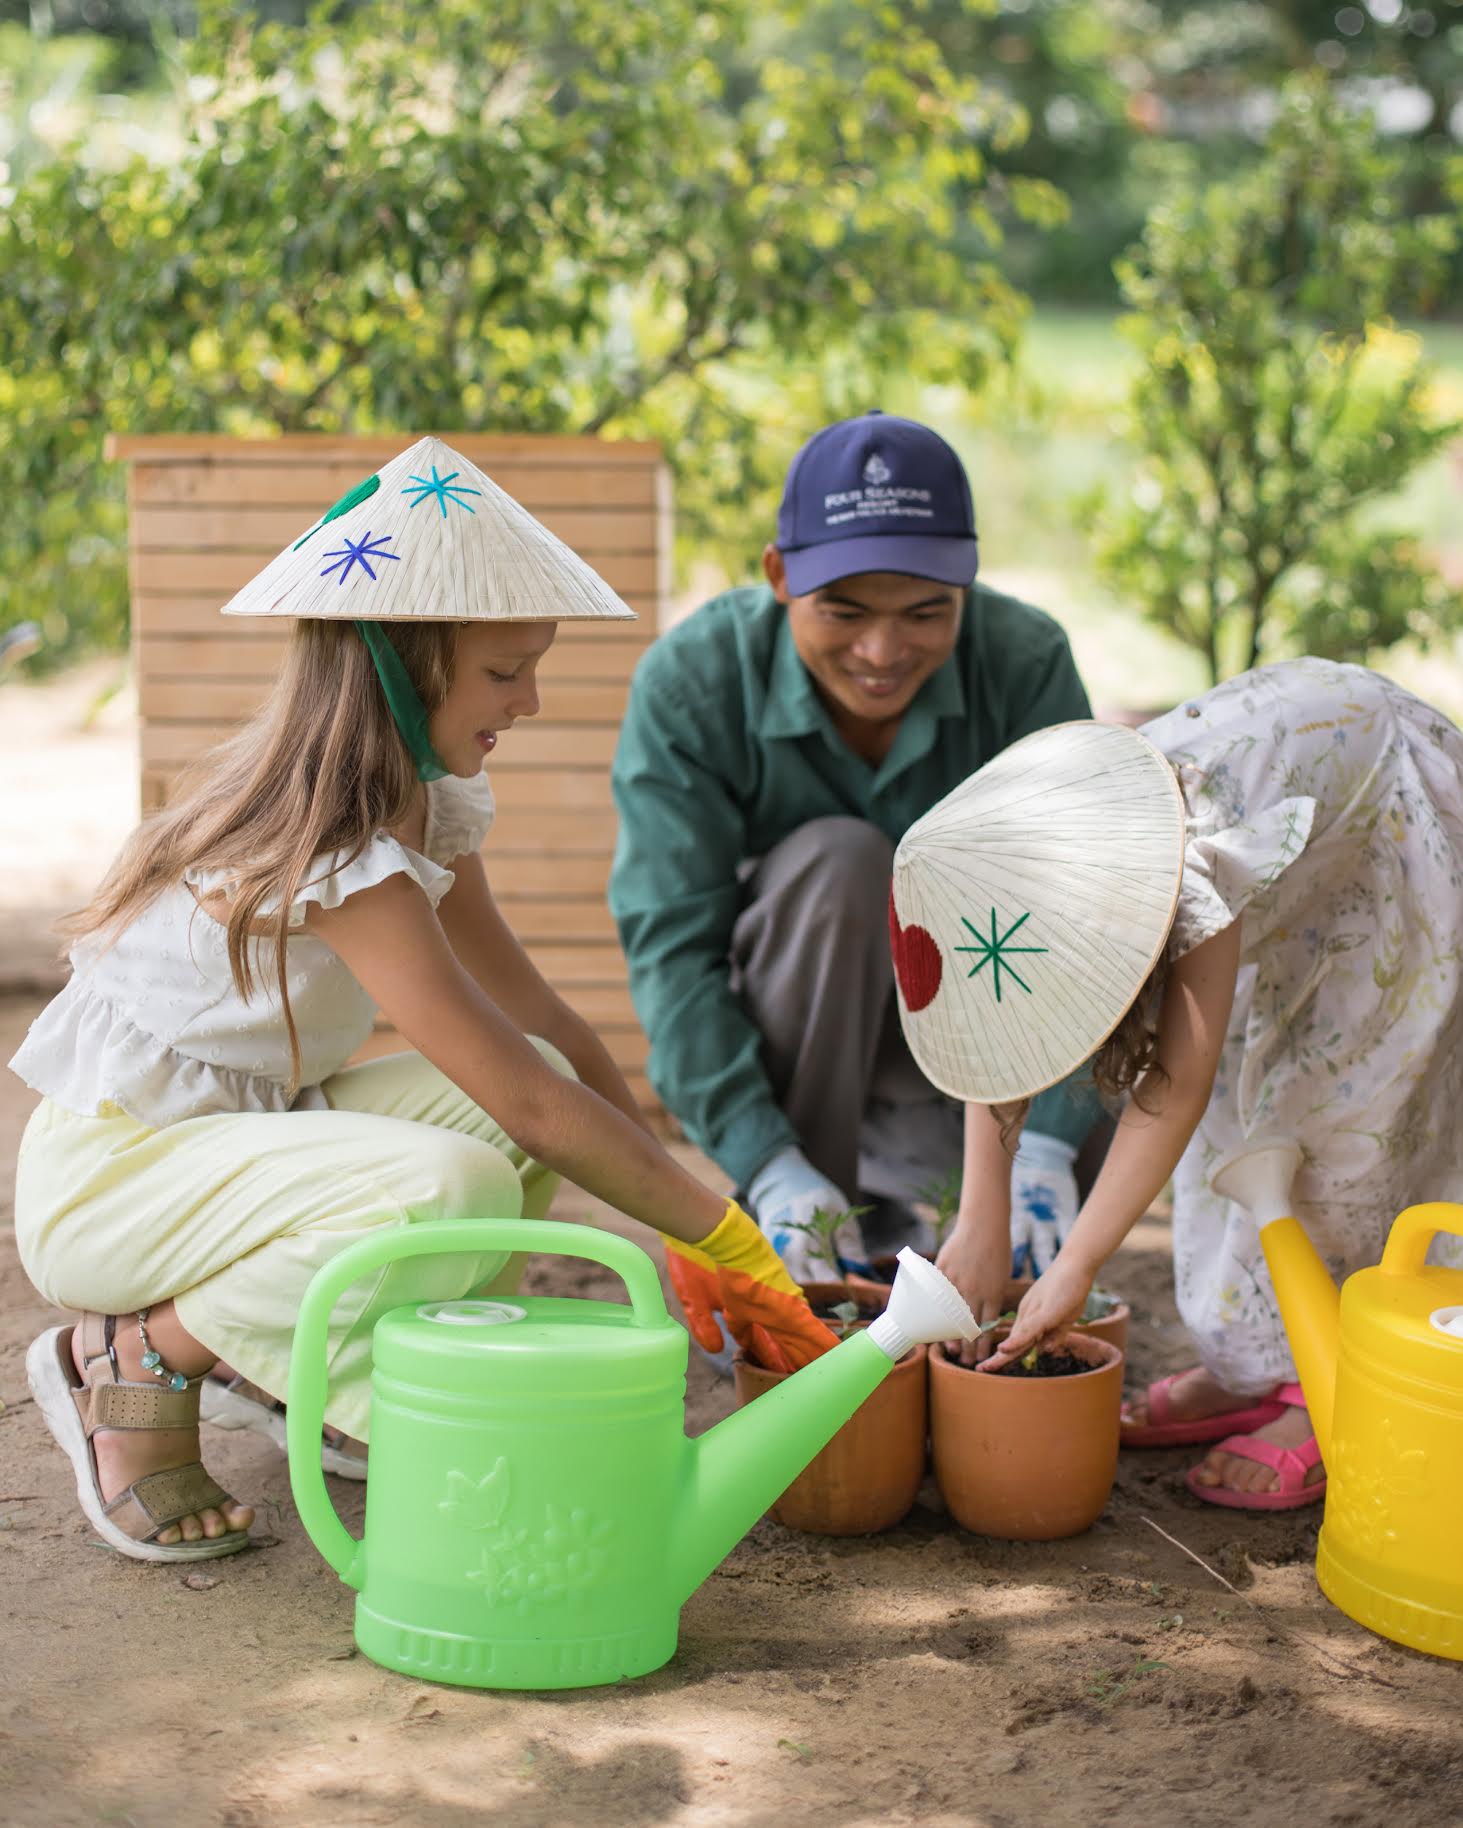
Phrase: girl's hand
x=1050 y=1306
x=977 y=1259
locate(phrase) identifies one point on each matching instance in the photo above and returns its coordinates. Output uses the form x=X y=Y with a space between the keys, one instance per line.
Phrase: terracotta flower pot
x=1112 y=1327
x=868 y=1476
x=1027 y=1458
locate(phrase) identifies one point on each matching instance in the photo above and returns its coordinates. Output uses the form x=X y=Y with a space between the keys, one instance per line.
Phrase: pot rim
x=1101 y=1355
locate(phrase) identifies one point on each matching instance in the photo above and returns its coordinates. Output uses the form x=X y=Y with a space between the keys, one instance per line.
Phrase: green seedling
x=822 y=1231
x=1106 y=1686
x=803 y=1753
x=847 y=1314
x=1099 y=1304
x=944 y=1197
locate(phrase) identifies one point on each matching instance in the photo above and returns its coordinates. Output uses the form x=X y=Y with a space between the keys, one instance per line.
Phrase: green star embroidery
x=994 y=951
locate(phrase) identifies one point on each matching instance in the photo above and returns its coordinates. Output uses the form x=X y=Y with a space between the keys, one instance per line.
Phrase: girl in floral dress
x=1309 y=981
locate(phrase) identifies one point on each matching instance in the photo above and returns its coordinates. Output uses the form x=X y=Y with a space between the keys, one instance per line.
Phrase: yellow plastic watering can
x=1382 y=1369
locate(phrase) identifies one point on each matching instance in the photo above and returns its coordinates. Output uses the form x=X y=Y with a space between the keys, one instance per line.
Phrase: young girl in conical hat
x=202 y=1146
x=1250 y=915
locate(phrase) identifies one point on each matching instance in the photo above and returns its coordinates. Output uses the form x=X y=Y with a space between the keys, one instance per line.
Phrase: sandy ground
x=925 y=1676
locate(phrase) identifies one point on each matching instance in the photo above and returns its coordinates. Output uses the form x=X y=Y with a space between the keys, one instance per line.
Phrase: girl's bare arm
x=1147 y=1145
x=492 y=955
x=391 y=940
x=977 y=1254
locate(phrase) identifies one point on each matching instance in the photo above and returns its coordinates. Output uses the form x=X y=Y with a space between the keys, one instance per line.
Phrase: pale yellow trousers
x=230 y=1216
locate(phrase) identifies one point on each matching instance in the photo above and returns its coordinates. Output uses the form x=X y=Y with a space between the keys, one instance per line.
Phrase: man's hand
x=1049 y=1308
x=978 y=1263
x=1043 y=1202
x=784 y=1196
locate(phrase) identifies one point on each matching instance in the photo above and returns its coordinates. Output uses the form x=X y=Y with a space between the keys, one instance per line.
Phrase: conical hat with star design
x=428 y=536
x=1029 y=906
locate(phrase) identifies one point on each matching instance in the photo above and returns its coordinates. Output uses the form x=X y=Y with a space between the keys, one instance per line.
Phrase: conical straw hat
x=1029 y=906
x=428 y=536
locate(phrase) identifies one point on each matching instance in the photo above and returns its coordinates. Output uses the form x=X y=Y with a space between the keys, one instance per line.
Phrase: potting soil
x=1048 y=1364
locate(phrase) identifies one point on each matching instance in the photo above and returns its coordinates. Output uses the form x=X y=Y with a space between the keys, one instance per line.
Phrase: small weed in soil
x=1107 y=1686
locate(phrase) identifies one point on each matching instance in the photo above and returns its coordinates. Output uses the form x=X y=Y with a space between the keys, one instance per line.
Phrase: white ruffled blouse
x=152 y=1024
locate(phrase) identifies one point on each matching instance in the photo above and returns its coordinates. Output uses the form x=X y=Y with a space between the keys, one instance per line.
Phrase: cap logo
x=876 y=471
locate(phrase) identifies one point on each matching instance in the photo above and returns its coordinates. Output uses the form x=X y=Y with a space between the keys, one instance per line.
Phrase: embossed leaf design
x=477 y=1504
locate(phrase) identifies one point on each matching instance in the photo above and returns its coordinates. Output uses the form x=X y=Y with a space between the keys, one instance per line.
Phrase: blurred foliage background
x=1183 y=283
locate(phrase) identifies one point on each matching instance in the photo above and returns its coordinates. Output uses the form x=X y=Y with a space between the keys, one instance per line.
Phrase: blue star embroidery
x=359 y=552
x=994 y=951
x=441 y=489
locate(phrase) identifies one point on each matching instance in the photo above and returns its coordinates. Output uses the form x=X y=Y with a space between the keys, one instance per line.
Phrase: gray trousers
x=811 y=963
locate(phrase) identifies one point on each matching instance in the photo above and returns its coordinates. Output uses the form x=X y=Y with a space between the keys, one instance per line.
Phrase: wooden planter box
x=206 y=513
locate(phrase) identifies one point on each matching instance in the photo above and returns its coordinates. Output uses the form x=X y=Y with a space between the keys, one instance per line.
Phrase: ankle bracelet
x=153 y=1360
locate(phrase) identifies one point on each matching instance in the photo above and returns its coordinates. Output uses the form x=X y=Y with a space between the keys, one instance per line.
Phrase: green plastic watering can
x=535 y=1514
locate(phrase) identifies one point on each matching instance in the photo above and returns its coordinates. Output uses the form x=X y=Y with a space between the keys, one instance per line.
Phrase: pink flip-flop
x=1163 y=1429
x=1290 y=1465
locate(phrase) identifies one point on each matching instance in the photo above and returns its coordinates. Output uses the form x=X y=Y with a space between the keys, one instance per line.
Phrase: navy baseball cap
x=876 y=493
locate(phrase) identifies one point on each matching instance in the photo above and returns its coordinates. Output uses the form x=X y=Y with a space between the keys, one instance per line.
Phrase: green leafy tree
x=1276 y=403
x=692 y=221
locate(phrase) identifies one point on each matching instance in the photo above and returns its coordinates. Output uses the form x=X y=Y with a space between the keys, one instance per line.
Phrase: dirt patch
x=924 y=1676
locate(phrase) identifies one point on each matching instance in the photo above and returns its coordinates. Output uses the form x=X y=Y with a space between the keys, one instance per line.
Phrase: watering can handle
x=1414 y=1230
x=305 y=1411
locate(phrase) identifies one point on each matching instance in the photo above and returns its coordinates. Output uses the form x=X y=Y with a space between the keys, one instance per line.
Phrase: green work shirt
x=726 y=748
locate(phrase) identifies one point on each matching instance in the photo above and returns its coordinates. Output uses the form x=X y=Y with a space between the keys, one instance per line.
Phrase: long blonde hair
x=317 y=770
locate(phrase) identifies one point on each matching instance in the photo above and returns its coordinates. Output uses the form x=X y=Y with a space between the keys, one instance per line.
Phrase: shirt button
x=1191 y=710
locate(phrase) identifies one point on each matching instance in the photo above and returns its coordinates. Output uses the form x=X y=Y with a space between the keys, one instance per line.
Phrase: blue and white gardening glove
x=784 y=1195
x=1043 y=1201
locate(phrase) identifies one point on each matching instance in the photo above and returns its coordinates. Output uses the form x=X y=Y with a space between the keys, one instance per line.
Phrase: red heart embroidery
x=916 y=960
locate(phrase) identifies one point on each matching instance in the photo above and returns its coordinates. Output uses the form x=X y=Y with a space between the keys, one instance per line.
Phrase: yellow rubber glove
x=735 y=1271
x=737 y=1244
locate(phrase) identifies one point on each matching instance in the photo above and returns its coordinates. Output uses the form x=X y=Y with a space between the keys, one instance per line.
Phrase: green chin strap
x=407 y=710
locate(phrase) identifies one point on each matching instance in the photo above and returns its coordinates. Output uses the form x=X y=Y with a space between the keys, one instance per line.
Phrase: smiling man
x=776 y=746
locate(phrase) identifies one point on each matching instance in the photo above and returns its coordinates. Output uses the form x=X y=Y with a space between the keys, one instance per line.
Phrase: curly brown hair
x=1127 y=1061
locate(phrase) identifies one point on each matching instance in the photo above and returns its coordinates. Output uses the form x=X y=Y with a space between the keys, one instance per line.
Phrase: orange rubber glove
x=736 y=1272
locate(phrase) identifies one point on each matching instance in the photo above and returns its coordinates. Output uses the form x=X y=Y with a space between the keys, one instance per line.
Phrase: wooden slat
x=228 y=571
x=560 y=921
x=219 y=654
x=531 y=876
x=594 y=533
x=537 y=487
x=183 y=699
x=533 y=744
x=580 y=962
x=518 y=831
x=542 y=449
x=197 y=613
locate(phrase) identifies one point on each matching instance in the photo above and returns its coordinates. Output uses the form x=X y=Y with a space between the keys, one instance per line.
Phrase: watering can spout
x=736 y=1470
x=1259 y=1176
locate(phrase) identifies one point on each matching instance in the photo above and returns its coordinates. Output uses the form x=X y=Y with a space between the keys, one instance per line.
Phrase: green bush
x=543 y=216
x=1278 y=410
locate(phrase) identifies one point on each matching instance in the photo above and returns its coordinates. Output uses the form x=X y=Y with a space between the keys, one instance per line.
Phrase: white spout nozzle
x=1258 y=1175
x=924 y=1305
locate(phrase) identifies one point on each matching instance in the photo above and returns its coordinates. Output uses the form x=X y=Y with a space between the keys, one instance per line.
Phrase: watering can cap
x=533 y=1349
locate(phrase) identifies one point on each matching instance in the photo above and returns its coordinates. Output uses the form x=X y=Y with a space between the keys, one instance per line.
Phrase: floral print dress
x=1325 y=811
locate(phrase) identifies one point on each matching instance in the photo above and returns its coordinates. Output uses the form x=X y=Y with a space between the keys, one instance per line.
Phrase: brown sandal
x=76 y=1409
